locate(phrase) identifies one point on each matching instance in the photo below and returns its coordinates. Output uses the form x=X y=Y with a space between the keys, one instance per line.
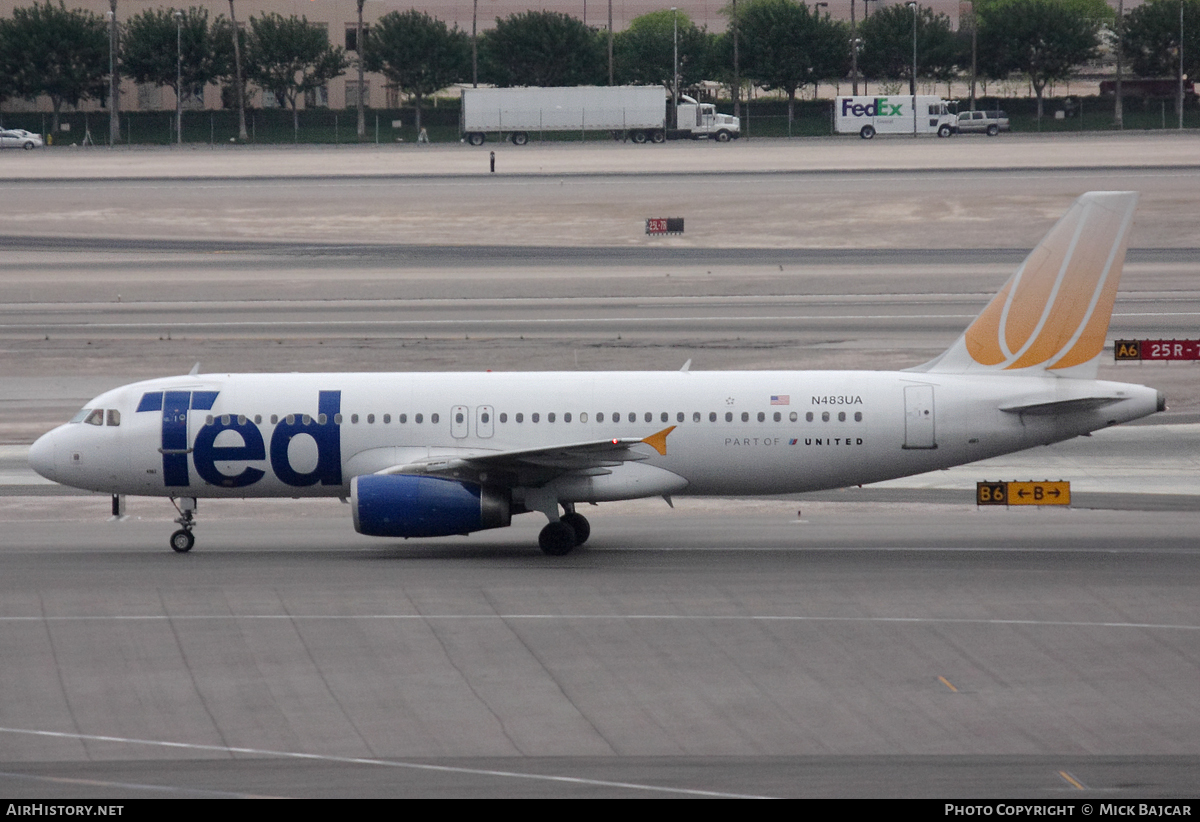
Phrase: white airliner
x=426 y=455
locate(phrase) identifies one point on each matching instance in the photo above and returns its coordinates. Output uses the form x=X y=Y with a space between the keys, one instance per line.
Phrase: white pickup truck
x=990 y=123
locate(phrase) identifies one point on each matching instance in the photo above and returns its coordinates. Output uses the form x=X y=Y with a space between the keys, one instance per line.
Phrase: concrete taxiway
x=885 y=641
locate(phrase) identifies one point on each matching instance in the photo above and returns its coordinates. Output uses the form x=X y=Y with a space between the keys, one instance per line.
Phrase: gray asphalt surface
x=886 y=641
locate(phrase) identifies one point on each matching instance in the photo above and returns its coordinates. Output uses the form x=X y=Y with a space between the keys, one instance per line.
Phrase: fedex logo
x=879 y=107
x=174 y=406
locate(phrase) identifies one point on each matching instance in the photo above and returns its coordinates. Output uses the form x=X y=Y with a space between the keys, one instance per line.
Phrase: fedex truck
x=892 y=114
x=638 y=113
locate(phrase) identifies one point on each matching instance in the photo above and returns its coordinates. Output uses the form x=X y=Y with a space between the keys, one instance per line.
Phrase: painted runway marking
x=1072 y=781
x=387 y=763
x=946 y=682
x=103 y=783
x=1041 y=623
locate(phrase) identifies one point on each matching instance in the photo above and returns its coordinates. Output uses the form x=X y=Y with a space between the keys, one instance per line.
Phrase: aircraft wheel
x=182 y=541
x=557 y=539
x=579 y=525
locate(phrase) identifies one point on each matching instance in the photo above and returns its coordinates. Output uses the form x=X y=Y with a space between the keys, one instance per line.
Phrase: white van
x=893 y=114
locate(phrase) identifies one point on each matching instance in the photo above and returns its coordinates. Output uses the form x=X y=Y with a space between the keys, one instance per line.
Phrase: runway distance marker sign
x=664 y=225
x=1047 y=492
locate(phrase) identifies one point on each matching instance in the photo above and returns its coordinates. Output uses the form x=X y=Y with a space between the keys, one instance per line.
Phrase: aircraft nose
x=41 y=456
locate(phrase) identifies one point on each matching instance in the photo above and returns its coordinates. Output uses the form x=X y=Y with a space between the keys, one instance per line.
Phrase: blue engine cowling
x=406 y=505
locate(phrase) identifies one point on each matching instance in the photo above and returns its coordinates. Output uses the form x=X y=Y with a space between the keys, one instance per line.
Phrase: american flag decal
x=781 y=399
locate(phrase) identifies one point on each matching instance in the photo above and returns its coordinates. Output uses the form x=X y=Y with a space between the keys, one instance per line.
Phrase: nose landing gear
x=183 y=540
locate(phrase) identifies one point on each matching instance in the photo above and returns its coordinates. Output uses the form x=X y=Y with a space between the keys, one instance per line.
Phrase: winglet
x=659 y=441
x=195 y=370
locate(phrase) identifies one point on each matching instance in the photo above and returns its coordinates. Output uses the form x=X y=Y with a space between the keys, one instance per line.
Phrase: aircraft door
x=484 y=416
x=919 y=417
x=459 y=424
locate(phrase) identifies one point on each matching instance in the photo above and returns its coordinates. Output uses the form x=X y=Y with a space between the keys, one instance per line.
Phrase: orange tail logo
x=1055 y=310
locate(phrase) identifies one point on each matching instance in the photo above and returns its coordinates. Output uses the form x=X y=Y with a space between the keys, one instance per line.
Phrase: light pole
x=114 y=116
x=675 y=66
x=913 y=86
x=240 y=87
x=360 y=47
x=1180 y=106
x=179 y=77
x=610 y=44
x=737 y=80
x=854 y=43
x=1118 y=103
x=474 y=47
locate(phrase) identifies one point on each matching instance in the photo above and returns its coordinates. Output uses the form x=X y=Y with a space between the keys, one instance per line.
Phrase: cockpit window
x=114 y=416
x=95 y=417
x=83 y=412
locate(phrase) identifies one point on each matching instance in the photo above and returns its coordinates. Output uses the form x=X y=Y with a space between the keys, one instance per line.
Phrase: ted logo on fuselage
x=323 y=428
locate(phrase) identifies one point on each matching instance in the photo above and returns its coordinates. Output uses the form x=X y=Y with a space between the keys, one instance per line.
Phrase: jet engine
x=407 y=505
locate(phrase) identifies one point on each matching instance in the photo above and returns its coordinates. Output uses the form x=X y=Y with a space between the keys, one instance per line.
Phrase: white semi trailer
x=893 y=114
x=638 y=113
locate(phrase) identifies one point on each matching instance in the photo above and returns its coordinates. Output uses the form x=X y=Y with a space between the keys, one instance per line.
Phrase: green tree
x=542 y=48
x=150 y=48
x=1151 y=40
x=418 y=54
x=288 y=56
x=8 y=68
x=1044 y=39
x=643 y=53
x=887 y=49
x=786 y=46
x=62 y=54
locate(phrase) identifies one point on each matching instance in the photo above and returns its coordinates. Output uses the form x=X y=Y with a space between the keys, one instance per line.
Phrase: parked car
x=990 y=123
x=19 y=138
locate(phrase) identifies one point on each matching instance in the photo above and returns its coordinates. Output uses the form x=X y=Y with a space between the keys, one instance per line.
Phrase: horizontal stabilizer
x=1055 y=407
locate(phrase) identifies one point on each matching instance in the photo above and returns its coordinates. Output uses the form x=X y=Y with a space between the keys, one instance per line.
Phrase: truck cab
x=699 y=120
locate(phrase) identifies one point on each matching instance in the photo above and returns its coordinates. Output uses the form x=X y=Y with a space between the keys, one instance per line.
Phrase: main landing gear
x=563 y=535
x=182 y=540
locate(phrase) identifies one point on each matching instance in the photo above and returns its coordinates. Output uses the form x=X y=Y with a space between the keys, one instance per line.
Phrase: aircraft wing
x=534 y=466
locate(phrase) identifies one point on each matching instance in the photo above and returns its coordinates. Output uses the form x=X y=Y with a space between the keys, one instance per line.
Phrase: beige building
x=339 y=18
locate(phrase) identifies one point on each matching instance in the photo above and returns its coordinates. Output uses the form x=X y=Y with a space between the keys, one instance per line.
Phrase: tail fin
x=1052 y=316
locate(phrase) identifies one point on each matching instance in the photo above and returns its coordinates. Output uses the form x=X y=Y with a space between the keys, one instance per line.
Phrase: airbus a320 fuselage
x=426 y=455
